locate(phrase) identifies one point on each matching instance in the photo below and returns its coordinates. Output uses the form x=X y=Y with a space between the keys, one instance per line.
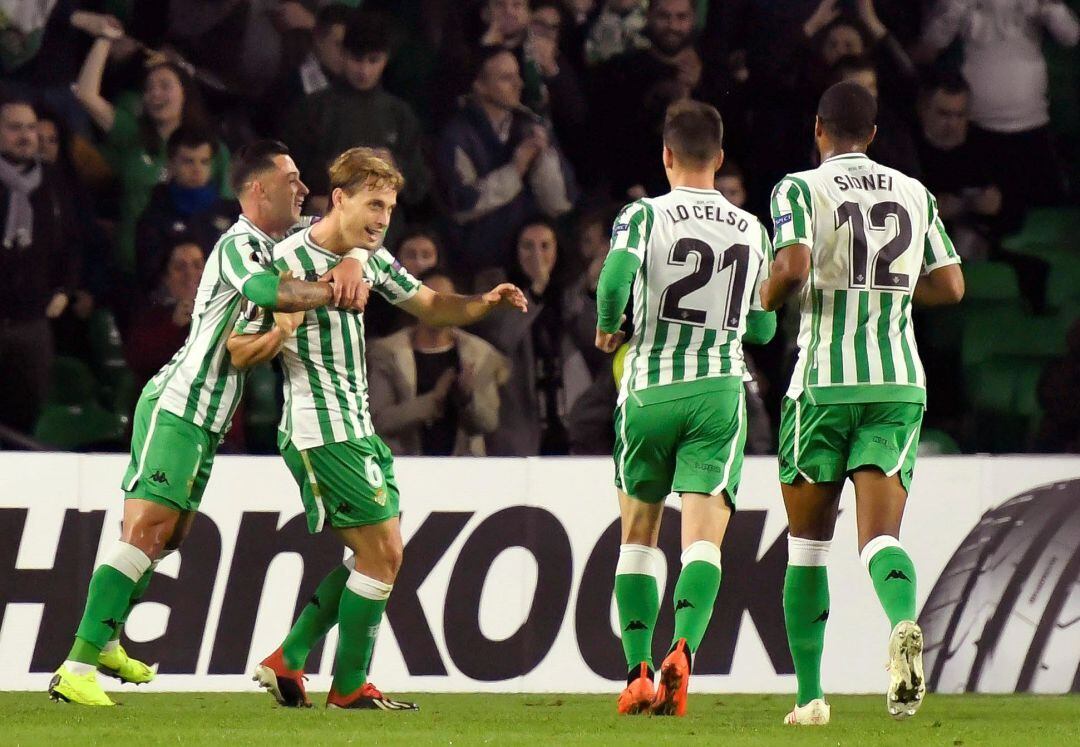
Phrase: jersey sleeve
x=763 y=270
x=792 y=213
x=239 y=262
x=389 y=279
x=253 y=319
x=632 y=228
x=938 y=249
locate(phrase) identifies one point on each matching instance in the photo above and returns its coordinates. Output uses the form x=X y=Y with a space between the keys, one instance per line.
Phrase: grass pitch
x=234 y=718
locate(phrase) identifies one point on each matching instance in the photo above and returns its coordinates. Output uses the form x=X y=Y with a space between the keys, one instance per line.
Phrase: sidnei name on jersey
x=875 y=182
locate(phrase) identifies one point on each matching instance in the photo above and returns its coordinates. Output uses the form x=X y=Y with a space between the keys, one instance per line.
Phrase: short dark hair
x=947 y=81
x=848 y=111
x=730 y=169
x=188 y=136
x=694 y=131
x=253 y=158
x=482 y=56
x=332 y=15
x=420 y=231
x=13 y=99
x=438 y=271
x=367 y=32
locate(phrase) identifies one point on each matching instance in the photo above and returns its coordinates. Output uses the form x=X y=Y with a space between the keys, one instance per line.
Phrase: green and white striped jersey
x=326 y=390
x=872 y=232
x=200 y=384
x=702 y=262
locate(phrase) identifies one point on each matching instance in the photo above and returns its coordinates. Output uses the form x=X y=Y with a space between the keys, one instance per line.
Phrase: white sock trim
x=350 y=562
x=702 y=550
x=368 y=587
x=876 y=545
x=636 y=559
x=111 y=645
x=128 y=559
x=807 y=552
x=78 y=667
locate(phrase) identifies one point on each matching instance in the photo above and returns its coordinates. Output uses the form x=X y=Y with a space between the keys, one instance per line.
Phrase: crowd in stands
x=521 y=127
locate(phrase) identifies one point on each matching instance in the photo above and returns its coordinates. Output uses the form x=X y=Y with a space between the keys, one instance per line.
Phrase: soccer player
x=184 y=410
x=343 y=469
x=694 y=262
x=870 y=242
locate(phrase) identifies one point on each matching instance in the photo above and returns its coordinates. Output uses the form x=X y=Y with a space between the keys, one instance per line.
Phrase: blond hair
x=362 y=167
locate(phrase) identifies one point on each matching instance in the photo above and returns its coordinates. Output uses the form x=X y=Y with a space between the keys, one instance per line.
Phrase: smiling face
x=282 y=193
x=365 y=214
x=184 y=270
x=537 y=251
x=670 y=24
x=163 y=95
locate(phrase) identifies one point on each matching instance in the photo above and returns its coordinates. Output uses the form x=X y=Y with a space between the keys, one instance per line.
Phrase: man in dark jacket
x=36 y=267
x=499 y=164
x=187 y=205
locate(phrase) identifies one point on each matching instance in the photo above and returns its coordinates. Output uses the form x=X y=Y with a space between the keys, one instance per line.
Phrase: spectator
x=419 y=250
x=188 y=204
x=563 y=96
x=548 y=369
x=893 y=145
x=579 y=300
x=729 y=182
x=37 y=269
x=326 y=61
x=357 y=111
x=1004 y=65
x=434 y=391
x=135 y=143
x=161 y=324
x=631 y=93
x=968 y=199
x=498 y=165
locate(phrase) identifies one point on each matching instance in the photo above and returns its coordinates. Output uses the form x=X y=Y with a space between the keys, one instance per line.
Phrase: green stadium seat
x=1047 y=228
x=117 y=384
x=72 y=382
x=1010 y=332
x=990 y=282
x=72 y=417
x=936 y=442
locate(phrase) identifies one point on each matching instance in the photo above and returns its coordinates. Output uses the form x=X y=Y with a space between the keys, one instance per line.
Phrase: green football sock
x=893 y=575
x=138 y=592
x=318 y=616
x=359 y=613
x=806 y=611
x=107 y=600
x=638 y=602
x=695 y=592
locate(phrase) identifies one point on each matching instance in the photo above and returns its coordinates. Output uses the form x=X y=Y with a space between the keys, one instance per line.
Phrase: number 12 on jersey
x=706 y=267
x=881 y=275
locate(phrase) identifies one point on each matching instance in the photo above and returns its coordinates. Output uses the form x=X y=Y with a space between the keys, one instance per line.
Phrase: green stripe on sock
x=358 y=625
x=695 y=596
x=318 y=616
x=893 y=575
x=806 y=610
x=638 y=601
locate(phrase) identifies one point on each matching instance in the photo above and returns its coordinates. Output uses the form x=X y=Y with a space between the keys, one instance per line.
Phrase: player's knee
x=392 y=554
x=149 y=535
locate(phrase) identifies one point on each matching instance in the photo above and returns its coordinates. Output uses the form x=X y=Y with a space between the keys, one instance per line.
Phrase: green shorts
x=825 y=443
x=351 y=483
x=171 y=457
x=688 y=445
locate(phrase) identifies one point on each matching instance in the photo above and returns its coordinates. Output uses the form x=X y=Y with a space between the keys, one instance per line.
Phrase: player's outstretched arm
x=941 y=287
x=246 y=351
x=787 y=274
x=455 y=310
x=288 y=294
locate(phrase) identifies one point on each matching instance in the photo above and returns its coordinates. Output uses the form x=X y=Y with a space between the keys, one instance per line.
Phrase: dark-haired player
x=870 y=242
x=694 y=262
x=184 y=410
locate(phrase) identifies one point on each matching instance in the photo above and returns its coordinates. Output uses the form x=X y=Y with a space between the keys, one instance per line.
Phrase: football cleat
x=670 y=698
x=907 y=686
x=118 y=664
x=814 y=713
x=368 y=698
x=83 y=689
x=638 y=695
x=286 y=685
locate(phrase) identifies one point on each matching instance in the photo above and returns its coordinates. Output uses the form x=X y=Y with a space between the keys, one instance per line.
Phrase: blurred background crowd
x=521 y=127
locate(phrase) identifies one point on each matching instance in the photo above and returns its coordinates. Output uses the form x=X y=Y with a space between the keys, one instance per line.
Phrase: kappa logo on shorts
x=159 y=477
x=882 y=441
x=705 y=467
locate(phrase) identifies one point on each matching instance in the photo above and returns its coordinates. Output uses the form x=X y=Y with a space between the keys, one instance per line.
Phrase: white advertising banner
x=508 y=575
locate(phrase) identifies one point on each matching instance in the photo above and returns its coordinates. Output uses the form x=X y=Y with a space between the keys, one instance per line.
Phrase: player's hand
x=609 y=342
x=506 y=295
x=288 y=322
x=351 y=291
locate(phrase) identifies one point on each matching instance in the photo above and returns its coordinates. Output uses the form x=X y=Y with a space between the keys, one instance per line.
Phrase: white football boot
x=907 y=686
x=814 y=713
